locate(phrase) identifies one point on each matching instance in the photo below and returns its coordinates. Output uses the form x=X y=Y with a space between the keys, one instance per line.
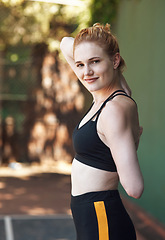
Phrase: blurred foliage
x=11 y=2
x=28 y=22
x=35 y=84
x=104 y=11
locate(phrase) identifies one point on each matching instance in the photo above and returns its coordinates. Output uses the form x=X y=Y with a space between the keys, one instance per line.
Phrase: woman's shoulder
x=120 y=104
x=119 y=111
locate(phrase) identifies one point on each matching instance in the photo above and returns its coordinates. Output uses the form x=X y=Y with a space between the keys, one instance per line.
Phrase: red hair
x=102 y=36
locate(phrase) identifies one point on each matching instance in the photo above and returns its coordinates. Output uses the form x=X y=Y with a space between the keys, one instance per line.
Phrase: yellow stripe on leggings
x=102 y=220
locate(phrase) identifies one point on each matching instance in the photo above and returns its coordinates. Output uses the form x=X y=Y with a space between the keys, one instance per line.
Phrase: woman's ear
x=116 y=60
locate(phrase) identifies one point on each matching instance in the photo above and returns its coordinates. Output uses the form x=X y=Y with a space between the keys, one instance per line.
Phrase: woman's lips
x=90 y=80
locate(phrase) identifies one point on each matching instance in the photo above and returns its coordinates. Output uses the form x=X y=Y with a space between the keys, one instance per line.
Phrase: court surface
x=55 y=227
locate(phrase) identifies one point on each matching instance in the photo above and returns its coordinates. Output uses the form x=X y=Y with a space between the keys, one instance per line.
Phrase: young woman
x=105 y=140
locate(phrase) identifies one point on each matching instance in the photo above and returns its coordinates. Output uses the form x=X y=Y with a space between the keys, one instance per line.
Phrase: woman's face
x=93 y=66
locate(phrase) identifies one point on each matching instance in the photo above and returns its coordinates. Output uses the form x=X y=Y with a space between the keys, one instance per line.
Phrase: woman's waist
x=89 y=179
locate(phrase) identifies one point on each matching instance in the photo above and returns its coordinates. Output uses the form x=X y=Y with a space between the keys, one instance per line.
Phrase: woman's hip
x=101 y=216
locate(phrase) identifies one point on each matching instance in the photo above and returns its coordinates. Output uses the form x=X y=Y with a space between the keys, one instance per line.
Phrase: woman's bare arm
x=66 y=46
x=120 y=139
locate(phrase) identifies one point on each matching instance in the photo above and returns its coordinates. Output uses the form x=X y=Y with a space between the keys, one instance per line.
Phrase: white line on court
x=8 y=228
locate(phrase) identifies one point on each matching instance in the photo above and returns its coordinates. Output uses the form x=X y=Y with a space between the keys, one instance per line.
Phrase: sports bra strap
x=124 y=95
x=114 y=94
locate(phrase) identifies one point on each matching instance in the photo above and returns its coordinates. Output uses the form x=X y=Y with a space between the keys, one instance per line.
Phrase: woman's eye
x=79 y=65
x=95 y=61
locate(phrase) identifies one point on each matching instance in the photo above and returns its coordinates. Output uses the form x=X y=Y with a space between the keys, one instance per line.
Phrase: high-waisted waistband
x=101 y=215
x=95 y=196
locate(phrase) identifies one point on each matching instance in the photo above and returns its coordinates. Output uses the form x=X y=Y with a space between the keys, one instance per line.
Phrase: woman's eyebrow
x=93 y=58
x=90 y=59
x=78 y=62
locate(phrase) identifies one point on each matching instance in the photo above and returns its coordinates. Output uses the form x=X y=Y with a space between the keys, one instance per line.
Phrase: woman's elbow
x=66 y=44
x=135 y=192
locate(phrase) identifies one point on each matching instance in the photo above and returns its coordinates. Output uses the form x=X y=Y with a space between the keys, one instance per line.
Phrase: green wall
x=140 y=28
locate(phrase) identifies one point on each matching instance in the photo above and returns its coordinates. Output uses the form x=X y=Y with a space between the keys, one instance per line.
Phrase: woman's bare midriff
x=89 y=179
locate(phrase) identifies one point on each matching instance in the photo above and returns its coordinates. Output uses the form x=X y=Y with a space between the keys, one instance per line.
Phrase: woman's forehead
x=88 y=50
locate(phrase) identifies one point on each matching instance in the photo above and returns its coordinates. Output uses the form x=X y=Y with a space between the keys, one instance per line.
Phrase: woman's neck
x=101 y=95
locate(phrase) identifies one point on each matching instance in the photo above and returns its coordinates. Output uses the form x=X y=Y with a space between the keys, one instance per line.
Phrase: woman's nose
x=88 y=71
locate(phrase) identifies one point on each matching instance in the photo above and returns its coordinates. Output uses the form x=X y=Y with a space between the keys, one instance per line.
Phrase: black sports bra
x=88 y=146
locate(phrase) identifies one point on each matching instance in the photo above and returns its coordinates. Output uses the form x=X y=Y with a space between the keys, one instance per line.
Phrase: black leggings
x=101 y=216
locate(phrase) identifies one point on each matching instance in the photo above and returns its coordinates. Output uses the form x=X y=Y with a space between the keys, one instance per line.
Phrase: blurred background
x=41 y=100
